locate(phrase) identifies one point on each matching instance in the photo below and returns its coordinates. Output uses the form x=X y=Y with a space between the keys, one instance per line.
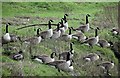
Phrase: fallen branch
x=34 y=25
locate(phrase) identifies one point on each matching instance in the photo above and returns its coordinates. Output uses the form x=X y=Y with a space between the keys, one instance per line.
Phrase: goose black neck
x=71 y=64
x=6 y=28
x=69 y=31
x=96 y=33
x=64 y=17
x=52 y=55
x=33 y=57
x=87 y=19
x=49 y=24
x=37 y=31
x=65 y=20
x=68 y=56
x=58 y=27
x=20 y=52
x=71 y=48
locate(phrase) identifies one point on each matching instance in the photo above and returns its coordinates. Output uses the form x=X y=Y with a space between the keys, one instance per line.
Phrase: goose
x=62 y=28
x=45 y=58
x=79 y=36
x=106 y=66
x=63 y=55
x=84 y=28
x=65 y=22
x=9 y=37
x=34 y=40
x=93 y=40
x=91 y=57
x=115 y=31
x=66 y=37
x=64 y=65
x=116 y=49
x=104 y=43
x=48 y=33
x=56 y=33
x=18 y=56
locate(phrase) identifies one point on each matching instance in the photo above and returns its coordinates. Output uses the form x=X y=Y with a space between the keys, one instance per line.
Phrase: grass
x=55 y=11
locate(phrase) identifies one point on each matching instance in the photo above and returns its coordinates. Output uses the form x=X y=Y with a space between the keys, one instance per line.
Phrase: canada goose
x=91 y=57
x=64 y=65
x=48 y=33
x=84 y=28
x=94 y=40
x=115 y=31
x=63 y=55
x=9 y=37
x=66 y=37
x=106 y=66
x=62 y=28
x=45 y=58
x=65 y=22
x=116 y=49
x=104 y=43
x=18 y=56
x=34 y=40
x=79 y=36
x=56 y=33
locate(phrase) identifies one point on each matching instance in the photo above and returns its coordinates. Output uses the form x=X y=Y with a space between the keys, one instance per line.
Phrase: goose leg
x=58 y=70
x=91 y=46
x=30 y=48
x=107 y=72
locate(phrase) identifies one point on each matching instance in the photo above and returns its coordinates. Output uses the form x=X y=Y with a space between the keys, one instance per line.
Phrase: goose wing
x=43 y=34
x=32 y=40
x=13 y=38
x=55 y=63
x=90 y=40
x=106 y=65
x=82 y=27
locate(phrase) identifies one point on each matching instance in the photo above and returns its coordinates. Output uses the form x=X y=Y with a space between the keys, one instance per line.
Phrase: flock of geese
x=65 y=59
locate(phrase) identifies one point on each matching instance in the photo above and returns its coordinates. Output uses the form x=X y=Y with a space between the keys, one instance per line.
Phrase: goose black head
x=20 y=52
x=8 y=23
x=111 y=61
x=38 y=31
x=33 y=57
x=88 y=15
x=50 y=20
x=97 y=28
x=66 y=15
x=53 y=54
